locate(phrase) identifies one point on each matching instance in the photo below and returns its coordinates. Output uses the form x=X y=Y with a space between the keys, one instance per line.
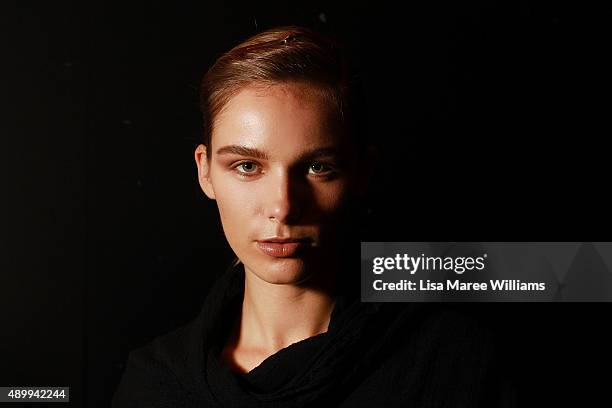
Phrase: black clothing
x=373 y=354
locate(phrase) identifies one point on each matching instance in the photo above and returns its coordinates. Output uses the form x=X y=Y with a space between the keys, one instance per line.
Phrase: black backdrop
x=490 y=118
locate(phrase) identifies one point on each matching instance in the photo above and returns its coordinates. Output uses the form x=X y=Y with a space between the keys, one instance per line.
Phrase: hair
x=282 y=55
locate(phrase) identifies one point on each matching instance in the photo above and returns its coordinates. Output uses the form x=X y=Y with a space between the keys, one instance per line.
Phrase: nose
x=283 y=203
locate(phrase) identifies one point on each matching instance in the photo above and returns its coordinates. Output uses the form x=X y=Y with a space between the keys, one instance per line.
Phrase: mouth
x=282 y=247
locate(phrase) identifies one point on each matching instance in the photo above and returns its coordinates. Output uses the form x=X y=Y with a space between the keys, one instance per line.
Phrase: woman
x=282 y=156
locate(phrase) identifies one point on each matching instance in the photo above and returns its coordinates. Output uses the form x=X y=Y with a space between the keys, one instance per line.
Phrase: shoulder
x=170 y=370
x=430 y=350
x=450 y=332
x=464 y=355
x=154 y=373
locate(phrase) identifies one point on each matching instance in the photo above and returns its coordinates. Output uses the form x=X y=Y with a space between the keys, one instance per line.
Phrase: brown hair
x=282 y=54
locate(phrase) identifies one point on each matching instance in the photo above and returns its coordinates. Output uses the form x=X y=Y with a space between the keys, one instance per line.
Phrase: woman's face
x=281 y=174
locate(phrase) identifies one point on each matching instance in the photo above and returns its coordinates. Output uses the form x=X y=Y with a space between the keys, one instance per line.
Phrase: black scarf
x=300 y=373
x=391 y=354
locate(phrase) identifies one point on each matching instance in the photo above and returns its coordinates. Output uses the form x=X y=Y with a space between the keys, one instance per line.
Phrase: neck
x=275 y=316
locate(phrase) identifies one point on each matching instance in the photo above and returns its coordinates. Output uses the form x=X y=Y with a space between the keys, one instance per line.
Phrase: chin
x=285 y=271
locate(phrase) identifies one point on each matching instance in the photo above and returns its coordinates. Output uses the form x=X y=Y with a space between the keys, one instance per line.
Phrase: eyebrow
x=243 y=151
x=259 y=154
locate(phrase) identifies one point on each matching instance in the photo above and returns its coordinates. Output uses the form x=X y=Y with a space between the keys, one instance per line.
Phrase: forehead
x=277 y=116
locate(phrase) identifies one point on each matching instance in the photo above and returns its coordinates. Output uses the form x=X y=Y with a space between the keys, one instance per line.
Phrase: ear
x=204 y=171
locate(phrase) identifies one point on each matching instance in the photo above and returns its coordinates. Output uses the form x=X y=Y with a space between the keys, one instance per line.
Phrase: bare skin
x=287 y=178
x=295 y=316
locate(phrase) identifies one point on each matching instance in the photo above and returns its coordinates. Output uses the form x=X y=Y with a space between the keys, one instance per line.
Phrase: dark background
x=491 y=119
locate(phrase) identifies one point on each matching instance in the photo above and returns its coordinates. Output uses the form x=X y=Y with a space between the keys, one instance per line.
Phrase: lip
x=283 y=240
x=281 y=247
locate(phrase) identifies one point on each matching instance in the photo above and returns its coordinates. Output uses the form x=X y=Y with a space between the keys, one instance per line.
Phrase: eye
x=246 y=168
x=320 y=168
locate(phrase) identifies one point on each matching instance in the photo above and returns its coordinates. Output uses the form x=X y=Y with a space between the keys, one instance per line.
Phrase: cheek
x=331 y=197
x=236 y=203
